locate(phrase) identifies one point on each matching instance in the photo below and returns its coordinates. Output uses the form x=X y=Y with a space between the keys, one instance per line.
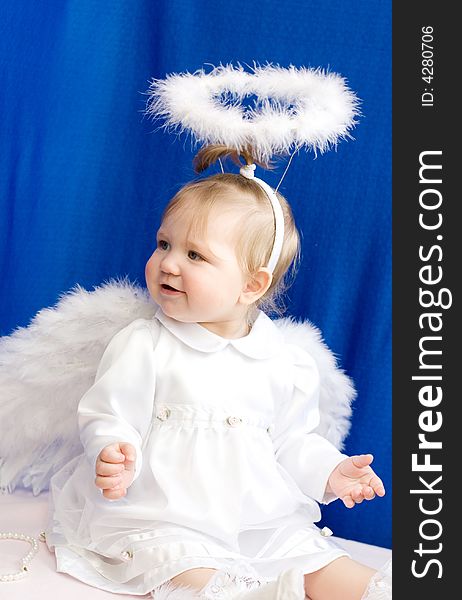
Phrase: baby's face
x=197 y=280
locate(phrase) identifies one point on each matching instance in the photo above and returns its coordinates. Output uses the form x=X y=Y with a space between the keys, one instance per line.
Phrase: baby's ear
x=256 y=286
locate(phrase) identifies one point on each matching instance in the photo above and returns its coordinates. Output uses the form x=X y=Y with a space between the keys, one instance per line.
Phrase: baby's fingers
x=114 y=494
x=128 y=451
x=377 y=485
x=107 y=483
x=107 y=469
x=357 y=495
x=368 y=493
x=362 y=460
x=111 y=454
x=348 y=501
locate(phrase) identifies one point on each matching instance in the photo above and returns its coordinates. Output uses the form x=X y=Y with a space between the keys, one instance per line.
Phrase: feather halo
x=293 y=108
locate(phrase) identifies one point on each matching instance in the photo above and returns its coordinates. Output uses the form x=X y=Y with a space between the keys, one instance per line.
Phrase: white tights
x=238 y=582
x=241 y=582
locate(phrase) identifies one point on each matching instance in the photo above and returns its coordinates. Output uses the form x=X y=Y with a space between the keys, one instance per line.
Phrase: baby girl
x=202 y=474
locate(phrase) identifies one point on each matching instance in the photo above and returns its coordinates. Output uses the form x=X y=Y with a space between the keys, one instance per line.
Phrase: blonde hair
x=256 y=231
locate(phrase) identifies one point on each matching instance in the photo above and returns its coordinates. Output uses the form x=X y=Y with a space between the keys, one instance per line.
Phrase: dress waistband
x=202 y=416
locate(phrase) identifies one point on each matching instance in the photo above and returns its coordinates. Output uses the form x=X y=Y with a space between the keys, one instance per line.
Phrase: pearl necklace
x=24 y=562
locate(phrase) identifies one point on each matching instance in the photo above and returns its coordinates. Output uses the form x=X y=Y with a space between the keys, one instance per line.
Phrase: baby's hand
x=115 y=469
x=353 y=480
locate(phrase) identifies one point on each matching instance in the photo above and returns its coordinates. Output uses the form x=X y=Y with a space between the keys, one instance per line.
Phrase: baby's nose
x=170 y=264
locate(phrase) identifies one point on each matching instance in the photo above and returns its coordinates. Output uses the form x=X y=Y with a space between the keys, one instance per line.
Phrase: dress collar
x=263 y=341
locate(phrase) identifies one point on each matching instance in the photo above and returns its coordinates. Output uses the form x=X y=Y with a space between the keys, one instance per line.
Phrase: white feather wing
x=336 y=389
x=45 y=369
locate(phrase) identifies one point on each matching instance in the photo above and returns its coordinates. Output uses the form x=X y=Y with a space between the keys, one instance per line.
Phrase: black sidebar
x=427 y=336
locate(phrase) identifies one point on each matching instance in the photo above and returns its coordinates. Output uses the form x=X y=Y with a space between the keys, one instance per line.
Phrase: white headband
x=248 y=172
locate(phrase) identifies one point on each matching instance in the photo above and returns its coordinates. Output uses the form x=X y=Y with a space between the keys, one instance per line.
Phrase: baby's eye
x=162 y=245
x=194 y=256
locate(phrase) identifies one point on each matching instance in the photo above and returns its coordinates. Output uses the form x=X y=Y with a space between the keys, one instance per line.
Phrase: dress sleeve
x=118 y=407
x=306 y=456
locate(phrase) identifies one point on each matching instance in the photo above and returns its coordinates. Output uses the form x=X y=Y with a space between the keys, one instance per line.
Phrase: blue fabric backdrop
x=83 y=176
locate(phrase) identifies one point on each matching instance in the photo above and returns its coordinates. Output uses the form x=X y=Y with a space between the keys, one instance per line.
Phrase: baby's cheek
x=149 y=269
x=150 y=272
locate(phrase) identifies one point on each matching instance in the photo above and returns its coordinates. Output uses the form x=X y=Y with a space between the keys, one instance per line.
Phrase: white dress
x=227 y=466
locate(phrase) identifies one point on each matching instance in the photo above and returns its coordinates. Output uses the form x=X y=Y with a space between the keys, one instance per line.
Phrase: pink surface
x=23 y=513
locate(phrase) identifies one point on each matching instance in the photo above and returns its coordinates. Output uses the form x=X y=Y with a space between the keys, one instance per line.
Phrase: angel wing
x=337 y=391
x=46 y=368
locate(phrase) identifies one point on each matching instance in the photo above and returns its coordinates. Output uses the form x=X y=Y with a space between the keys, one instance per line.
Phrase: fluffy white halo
x=293 y=108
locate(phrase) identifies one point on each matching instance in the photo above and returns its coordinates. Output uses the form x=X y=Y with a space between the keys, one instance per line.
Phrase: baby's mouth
x=169 y=287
